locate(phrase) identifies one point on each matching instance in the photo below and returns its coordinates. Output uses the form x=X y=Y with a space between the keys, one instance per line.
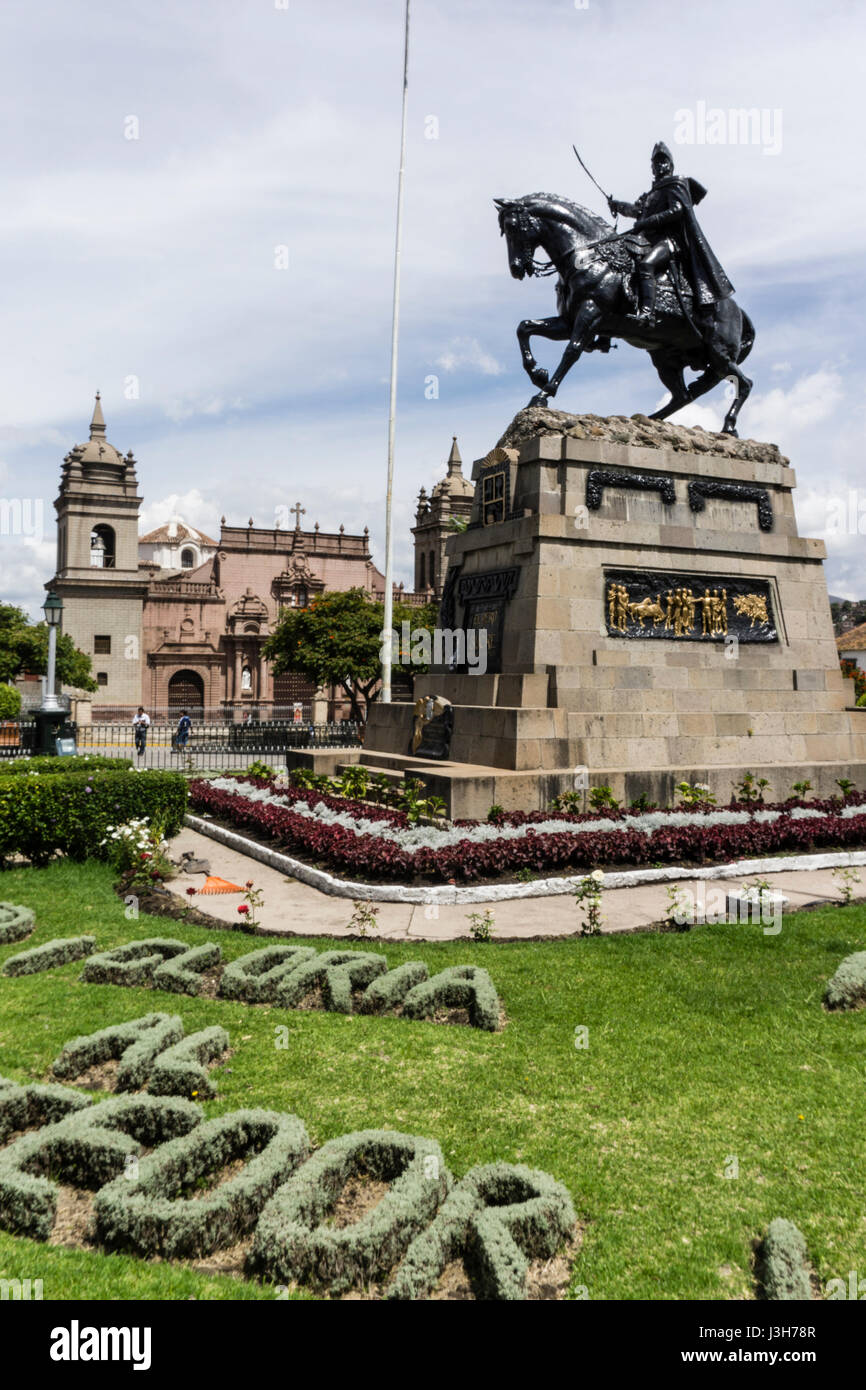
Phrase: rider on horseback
x=666 y=216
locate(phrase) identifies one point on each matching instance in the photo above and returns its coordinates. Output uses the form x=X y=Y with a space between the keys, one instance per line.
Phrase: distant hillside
x=847 y=613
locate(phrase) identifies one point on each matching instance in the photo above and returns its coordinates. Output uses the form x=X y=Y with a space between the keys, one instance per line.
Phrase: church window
x=431 y=580
x=102 y=678
x=422 y=571
x=187 y=559
x=299 y=597
x=102 y=646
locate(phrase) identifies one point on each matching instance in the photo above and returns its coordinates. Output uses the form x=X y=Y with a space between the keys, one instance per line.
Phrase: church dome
x=97 y=449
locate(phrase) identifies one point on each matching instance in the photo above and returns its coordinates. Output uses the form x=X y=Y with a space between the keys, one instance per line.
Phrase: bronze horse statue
x=595 y=301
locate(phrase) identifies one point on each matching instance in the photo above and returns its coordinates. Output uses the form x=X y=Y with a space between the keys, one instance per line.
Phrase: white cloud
x=260 y=127
x=810 y=401
x=27 y=563
x=200 y=511
x=468 y=352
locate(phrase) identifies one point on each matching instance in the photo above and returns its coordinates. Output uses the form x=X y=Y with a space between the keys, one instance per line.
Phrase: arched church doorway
x=186 y=691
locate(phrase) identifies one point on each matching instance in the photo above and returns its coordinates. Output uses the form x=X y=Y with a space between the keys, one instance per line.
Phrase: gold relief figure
x=617 y=606
x=647 y=609
x=675 y=609
x=690 y=606
x=706 y=613
x=720 y=627
x=680 y=614
x=752 y=606
x=671 y=613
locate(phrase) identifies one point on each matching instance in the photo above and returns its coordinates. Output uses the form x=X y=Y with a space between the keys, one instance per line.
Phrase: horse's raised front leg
x=582 y=332
x=555 y=328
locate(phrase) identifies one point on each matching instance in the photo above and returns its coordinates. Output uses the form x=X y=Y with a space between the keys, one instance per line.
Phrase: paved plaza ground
x=293 y=907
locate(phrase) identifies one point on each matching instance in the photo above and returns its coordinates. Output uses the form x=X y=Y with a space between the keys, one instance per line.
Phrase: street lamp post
x=51 y=714
x=53 y=610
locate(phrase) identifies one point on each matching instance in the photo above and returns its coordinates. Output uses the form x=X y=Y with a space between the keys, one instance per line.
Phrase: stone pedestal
x=652 y=616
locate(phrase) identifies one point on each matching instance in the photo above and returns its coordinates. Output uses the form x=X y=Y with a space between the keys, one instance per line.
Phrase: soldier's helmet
x=660 y=152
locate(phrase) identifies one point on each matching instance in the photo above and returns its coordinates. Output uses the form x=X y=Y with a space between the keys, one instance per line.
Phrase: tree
x=10 y=702
x=337 y=641
x=24 y=648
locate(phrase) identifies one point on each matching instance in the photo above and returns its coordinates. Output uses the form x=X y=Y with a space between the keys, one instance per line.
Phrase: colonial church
x=175 y=619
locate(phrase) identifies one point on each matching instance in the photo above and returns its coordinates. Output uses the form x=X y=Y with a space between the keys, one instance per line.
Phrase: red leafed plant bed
x=370 y=857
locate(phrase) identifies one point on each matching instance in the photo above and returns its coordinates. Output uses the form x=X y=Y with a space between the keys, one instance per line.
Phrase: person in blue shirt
x=183 y=728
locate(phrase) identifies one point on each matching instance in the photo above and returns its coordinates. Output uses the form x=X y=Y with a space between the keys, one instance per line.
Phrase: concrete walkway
x=292 y=907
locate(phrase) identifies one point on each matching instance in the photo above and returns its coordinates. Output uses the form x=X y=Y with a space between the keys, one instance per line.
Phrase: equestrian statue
x=658 y=286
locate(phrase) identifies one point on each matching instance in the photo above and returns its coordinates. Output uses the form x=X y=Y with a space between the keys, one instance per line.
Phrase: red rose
x=242 y=907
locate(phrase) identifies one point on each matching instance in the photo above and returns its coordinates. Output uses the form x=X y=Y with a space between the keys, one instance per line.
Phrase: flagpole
x=395 y=321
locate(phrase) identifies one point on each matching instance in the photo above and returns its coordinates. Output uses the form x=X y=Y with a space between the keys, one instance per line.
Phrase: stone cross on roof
x=299 y=512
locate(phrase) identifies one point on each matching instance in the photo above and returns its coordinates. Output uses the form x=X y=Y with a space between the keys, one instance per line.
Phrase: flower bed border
x=446 y=894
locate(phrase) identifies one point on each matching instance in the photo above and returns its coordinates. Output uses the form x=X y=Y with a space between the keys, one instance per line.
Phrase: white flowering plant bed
x=375 y=845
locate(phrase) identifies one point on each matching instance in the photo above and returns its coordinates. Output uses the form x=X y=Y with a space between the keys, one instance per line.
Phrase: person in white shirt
x=140 y=726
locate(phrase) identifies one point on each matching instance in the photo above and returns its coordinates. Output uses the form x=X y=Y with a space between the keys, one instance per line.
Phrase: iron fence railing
x=273 y=736
x=210 y=747
x=17 y=738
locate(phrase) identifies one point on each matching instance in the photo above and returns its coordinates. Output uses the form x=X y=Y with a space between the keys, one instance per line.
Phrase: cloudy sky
x=158 y=155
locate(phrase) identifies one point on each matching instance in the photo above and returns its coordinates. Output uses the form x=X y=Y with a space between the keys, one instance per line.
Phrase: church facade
x=175 y=619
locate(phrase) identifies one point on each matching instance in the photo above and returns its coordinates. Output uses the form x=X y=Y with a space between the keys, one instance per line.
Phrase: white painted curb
x=503 y=892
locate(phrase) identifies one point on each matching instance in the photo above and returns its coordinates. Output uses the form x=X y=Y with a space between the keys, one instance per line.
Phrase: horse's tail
x=747 y=340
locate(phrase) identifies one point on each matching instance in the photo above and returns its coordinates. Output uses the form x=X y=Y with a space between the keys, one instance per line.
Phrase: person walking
x=183 y=729
x=140 y=726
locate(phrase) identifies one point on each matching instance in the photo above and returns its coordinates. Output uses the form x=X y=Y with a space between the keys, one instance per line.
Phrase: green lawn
x=703 y=1046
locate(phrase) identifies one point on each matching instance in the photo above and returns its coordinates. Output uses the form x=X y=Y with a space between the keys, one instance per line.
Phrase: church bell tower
x=97 y=575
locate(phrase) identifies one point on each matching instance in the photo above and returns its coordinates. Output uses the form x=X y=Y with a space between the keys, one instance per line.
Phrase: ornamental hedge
x=181 y=1070
x=294 y=1238
x=786 y=1269
x=53 y=766
x=179 y=1201
x=135 y=1044
x=458 y=987
x=254 y=977
x=32 y=1105
x=87 y=1148
x=157 y=1213
x=389 y=991
x=71 y=812
x=337 y=973
x=60 y=951
x=497 y=1218
x=16 y=922
x=281 y=975
x=133 y=963
x=847 y=988
x=183 y=974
